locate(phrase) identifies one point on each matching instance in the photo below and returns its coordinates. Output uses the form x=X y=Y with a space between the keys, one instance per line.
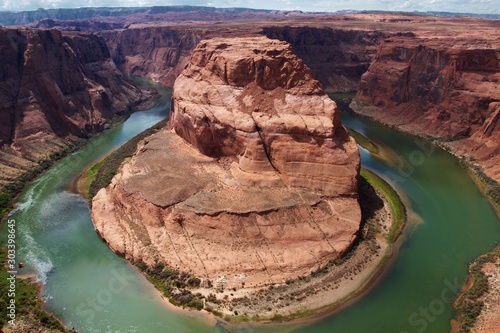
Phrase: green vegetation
x=10 y=191
x=468 y=303
x=397 y=207
x=100 y=175
x=364 y=142
x=371 y=183
x=489 y=187
x=174 y=285
x=27 y=301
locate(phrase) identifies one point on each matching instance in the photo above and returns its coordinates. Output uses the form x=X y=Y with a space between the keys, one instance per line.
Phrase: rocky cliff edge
x=54 y=88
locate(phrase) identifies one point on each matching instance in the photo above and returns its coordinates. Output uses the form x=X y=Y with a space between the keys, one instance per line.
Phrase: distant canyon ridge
x=429 y=75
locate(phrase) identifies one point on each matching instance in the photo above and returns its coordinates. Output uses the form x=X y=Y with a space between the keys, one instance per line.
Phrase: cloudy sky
x=464 y=6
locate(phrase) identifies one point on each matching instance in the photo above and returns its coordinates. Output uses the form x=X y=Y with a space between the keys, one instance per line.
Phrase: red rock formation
x=336 y=57
x=159 y=53
x=432 y=76
x=250 y=100
x=52 y=87
x=444 y=88
x=275 y=198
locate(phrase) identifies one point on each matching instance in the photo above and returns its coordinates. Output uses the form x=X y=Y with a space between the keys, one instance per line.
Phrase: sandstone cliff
x=159 y=53
x=445 y=88
x=426 y=75
x=54 y=88
x=257 y=185
x=336 y=57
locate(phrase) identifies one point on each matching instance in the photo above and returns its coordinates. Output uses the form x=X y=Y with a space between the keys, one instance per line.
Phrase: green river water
x=90 y=288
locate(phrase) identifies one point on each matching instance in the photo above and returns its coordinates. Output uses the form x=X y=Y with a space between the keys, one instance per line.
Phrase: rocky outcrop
x=236 y=99
x=257 y=183
x=159 y=53
x=54 y=88
x=446 y=89
x=336 y=57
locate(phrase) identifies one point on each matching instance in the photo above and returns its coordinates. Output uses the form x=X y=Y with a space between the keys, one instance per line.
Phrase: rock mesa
x=255 y=182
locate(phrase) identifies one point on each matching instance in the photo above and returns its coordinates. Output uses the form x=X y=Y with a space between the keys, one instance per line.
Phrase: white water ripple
x=37 y=259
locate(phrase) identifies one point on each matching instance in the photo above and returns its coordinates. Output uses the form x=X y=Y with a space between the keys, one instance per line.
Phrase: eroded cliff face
x=336 y=57
x=257 y=182
x=235 y=99
x=54 y=88
x=446 y=89
x=159 y=53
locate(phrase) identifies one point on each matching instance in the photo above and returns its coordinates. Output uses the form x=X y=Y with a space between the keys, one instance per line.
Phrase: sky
x=462 y=6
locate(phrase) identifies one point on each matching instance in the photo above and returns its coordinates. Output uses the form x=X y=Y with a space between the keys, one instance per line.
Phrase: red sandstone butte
x=257 y=182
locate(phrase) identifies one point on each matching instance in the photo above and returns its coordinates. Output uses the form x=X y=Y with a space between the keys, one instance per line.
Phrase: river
x=90 y=288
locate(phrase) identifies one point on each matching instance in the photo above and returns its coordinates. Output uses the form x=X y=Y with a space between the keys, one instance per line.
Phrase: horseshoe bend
x=253 y=183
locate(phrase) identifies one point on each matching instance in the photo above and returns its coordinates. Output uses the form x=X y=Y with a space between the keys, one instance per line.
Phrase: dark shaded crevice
x=266 y=149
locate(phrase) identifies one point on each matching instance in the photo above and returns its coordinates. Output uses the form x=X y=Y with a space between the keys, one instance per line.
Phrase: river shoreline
x=308 y=298
x=325 y=291
x=479 y=291
x=311 y=317
x=486 y=320
x=473 y=168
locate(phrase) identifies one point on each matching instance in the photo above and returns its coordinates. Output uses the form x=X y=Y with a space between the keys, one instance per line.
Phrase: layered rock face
x=446 y=88
x=336 y=57
x=54 y=87
x=159 y=53
x=258 y=183
x=236 y=100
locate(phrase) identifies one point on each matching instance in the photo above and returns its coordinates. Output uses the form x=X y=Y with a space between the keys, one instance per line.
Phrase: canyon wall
x=159 y=53
x=257 y=182
x=336 y=57
x=442 y=88
x=55 y=88
x=426 y=75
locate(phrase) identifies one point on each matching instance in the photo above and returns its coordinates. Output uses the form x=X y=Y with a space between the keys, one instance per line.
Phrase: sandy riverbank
x=323 y=292
x=310 y=297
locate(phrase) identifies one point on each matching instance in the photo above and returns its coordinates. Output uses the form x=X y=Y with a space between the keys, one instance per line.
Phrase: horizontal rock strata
x=54 y=87
x=257 y=182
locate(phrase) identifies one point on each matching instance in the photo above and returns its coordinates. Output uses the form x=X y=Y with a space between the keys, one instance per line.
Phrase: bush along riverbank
x=323 y=290
x=478 y=304
x=21 y=308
